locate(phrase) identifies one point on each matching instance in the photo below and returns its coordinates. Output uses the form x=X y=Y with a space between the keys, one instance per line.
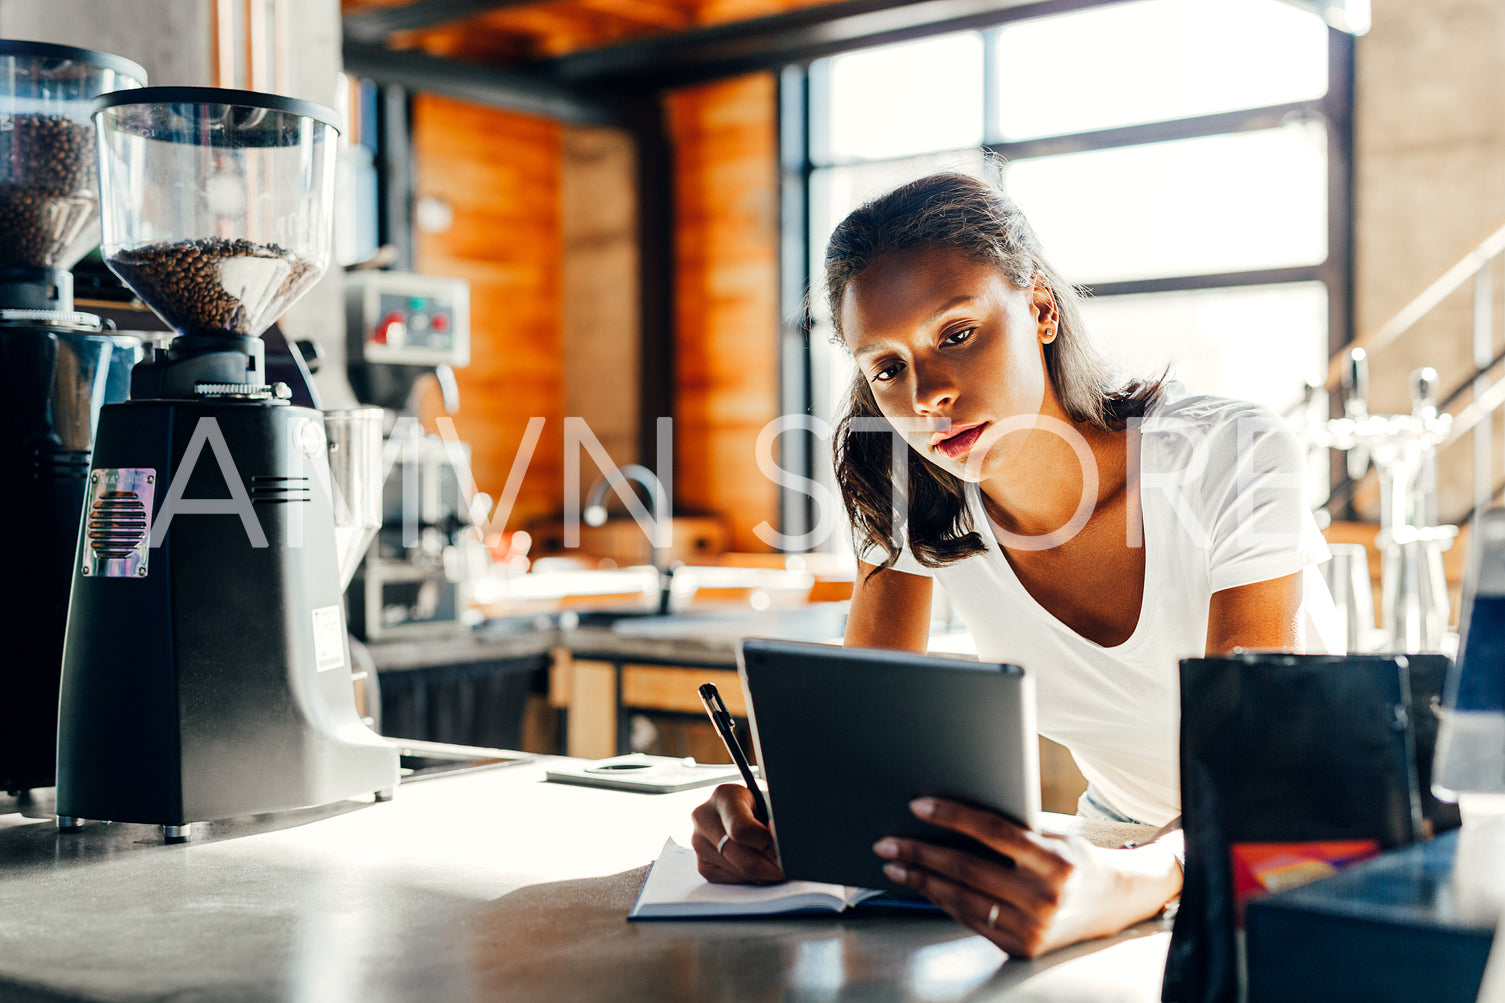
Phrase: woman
x=1094 y=532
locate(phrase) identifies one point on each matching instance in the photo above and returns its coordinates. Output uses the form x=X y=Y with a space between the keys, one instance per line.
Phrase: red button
x=440 y=322
x=384 y=327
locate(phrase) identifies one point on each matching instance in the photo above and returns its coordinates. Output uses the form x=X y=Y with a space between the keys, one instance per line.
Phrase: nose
x=935 y=389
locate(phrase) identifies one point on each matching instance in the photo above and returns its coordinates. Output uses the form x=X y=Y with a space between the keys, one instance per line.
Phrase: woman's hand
x=1059 y=891
x=730 y=844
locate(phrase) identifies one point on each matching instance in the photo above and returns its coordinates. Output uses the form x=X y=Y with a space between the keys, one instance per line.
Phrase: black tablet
x=847 y=737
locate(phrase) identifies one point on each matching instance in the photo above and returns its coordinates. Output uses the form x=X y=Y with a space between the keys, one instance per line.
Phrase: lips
x=959 y=442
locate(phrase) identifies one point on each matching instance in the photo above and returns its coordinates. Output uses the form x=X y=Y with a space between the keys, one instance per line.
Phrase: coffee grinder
x=206 y=671
x=57 y=367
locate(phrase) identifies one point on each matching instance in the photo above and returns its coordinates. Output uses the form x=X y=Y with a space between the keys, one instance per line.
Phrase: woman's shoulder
x=1208 y=410
x=1211 y=434
x=1194 y=417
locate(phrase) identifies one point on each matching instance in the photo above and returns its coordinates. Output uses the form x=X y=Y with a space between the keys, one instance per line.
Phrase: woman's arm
x=1264 y=615
x=890 y=609
x=1062 y=890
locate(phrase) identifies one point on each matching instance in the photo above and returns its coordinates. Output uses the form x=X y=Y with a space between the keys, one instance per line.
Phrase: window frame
x=796 y=167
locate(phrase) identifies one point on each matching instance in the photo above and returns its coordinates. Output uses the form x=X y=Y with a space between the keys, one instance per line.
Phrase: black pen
x=722 y=719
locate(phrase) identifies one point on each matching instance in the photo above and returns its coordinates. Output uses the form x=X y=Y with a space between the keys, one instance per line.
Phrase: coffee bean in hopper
x=48 y=197
x=215 y=285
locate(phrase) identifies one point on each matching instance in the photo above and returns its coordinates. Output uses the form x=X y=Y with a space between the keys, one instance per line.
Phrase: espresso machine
x=404 y=329
x=206 y=670
x=57 y=368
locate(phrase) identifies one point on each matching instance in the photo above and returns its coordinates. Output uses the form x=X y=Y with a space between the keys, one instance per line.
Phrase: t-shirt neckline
x=1006 y=570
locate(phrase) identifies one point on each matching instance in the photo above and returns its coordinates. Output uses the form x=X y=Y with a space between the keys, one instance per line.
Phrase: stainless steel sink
x=611 y=617
x=816 y=622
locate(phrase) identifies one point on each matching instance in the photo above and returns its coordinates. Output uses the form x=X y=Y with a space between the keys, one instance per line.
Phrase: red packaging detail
x=1275 y=867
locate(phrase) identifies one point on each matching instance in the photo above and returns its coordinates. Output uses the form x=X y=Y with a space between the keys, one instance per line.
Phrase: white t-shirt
x=1223 y=505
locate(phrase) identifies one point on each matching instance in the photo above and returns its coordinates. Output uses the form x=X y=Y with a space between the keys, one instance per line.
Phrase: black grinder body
x=54 y=378
x=206 y=669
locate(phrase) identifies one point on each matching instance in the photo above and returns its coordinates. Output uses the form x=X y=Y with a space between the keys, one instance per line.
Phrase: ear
x=1047 y=313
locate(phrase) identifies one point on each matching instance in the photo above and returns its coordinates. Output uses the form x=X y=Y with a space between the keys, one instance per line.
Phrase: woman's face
x=939 y=335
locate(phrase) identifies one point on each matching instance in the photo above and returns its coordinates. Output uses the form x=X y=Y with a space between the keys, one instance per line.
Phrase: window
x=1155 y=61
x=900 y=100
x=1272 y=324
x=1186 y=161
x=1226 y=203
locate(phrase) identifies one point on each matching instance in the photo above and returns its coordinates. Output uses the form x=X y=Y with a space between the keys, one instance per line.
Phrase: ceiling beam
x=516 y=90
x=374 y=24
x=575 y=88
x=731 y=49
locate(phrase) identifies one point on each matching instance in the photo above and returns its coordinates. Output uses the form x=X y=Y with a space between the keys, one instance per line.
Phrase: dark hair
x=972 y=216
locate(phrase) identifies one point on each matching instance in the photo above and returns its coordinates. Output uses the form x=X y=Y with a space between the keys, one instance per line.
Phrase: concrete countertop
x=479 y=886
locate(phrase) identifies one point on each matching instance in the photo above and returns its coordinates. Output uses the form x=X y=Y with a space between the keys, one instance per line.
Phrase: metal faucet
x=1403 y=449
x=658 y=510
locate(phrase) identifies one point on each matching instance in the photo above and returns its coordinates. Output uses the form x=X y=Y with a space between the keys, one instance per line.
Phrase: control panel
x=401 y=318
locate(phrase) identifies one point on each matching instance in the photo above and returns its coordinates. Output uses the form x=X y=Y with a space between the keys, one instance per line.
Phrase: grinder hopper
x=222 y=218
x=219 y=213
x=49 y=184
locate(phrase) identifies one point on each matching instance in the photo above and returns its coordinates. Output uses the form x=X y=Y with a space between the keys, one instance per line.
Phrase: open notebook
x=674 y=889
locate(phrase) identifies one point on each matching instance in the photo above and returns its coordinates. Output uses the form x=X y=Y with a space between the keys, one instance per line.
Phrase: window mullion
x=796 y=391
x=992 y=113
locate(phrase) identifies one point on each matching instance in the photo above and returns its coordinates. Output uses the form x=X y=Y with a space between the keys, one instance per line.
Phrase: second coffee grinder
x=57 y=368
x=206 y=671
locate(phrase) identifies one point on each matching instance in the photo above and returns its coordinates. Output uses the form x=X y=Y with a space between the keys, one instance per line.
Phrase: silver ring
x=993 y=917
x=722 y=842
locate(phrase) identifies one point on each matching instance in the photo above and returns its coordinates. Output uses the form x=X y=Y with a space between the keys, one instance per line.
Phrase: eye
x=888 y=372
x=957 y=337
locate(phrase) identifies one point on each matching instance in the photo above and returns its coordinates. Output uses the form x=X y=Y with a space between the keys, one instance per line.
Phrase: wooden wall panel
x=500 y=174
x=726 y=314
x=602 y=352
x=506 y=178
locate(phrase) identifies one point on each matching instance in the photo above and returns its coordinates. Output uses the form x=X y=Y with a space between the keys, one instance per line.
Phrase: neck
x=1043 y=487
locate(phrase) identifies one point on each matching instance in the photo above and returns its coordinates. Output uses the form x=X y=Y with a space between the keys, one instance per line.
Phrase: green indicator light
x=416 y=303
